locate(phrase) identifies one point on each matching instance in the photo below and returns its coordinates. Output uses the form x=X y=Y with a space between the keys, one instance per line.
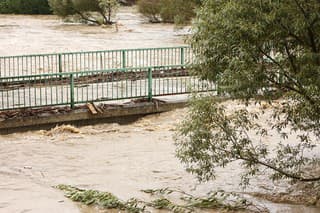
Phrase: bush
x=90 y=11
x=25 y=7
x=168 y=11
x=127 y=2
x=150 y=9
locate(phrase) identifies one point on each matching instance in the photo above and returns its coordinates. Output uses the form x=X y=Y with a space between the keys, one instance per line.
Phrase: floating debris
x=62 y=129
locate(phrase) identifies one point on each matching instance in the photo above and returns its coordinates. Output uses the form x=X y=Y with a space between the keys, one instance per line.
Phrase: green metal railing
x=81 y=77
x=95 y=60
x=71 y=88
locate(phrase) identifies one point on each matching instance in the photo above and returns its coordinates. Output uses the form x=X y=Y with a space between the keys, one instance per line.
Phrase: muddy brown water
x=108 y=157
x=20 y=34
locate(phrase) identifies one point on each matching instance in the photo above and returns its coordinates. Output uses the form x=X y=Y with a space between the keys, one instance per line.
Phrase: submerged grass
x=104 y=200
x=218 y=200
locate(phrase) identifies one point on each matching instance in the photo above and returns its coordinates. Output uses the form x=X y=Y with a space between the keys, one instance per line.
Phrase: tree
x=253 y=48
x=92 y=11
x=25 y=6
x=127 y=2
x=168 y=11
x=150 y=9
x=177 y=11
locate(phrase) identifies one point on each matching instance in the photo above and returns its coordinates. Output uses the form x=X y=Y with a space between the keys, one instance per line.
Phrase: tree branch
x=290 y=33
x=287 y=174
x=309 y=29
x=240 y=156
x=290 y=57
x=294 y=81
x=86 y=18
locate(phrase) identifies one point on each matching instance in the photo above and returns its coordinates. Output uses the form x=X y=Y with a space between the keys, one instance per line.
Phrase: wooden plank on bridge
x=92 y=109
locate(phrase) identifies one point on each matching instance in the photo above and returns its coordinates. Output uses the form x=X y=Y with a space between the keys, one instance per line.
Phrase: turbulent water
x=45 y=34
x=122 y=159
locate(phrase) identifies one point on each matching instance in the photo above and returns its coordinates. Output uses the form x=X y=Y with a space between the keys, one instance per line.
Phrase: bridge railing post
x=124 y=60
x=72 y=91
x=182 y=56
x=60 y=65
x=150 y=84
x=101 y=62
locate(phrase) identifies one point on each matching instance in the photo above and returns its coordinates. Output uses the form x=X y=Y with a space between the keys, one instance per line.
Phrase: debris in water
x=62 y=129
x=219 y=200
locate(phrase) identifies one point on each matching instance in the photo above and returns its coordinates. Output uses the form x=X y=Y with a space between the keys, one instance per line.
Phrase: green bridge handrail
x=94 y=51
x=96 y=86
x=93 y=60
x=80 y=77
x=89 y=72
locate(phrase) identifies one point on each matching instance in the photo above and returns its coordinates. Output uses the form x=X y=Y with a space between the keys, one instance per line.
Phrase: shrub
x=168 y=11
x=87 y=10
x=150 y=9
x=24 y=6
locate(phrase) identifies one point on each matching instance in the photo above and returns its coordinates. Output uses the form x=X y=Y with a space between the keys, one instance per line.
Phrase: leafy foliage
x=177 y=11
x=214 y=200
x=102 y=199
x=150 y=9
x=25 y=6
x=168 y=11
x=255 y=48
x=91 y=11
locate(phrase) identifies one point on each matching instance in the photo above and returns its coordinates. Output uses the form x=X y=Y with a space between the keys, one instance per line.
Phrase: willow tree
x=256 y=48
x=92 y=11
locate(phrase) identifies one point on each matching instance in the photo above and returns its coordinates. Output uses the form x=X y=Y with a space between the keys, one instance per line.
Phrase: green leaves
x=168 y=11
x=86 y=9
x=101 y=199
x=25 y=6
x=92 y=197
x=214 y=200
x=248 y=44
x=219 y=200
x=212 y=137
x=255 y=50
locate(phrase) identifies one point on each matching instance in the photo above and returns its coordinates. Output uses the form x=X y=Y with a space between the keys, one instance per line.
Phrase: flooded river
x=122 y=159
x=47 y=34
x=109 y=157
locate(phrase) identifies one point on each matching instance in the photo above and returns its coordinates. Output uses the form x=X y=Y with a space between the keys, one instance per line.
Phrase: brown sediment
x=121 y=159
x=25 y=34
